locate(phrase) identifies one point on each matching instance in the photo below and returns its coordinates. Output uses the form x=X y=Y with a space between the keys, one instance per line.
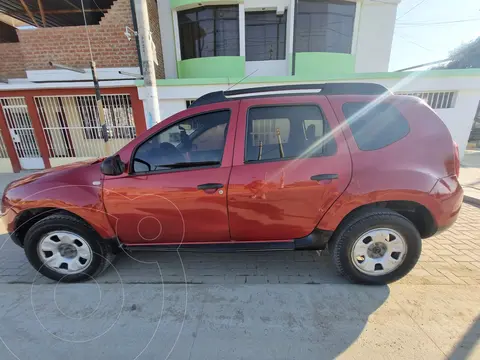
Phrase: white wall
x=459 y=120
x=64 y=75
x=170 y=107
x=168 y=39
x=269 y=4
x=376 y=23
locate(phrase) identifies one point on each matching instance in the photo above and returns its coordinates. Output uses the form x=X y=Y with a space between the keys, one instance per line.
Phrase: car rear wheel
x=64 y=248
x=376 y=246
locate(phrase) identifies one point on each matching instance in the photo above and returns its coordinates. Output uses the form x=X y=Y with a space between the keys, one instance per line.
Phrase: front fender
x=76 y=190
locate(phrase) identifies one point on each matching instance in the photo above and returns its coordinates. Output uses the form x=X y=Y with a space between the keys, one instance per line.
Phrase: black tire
x=366 y=220
x=102 y=254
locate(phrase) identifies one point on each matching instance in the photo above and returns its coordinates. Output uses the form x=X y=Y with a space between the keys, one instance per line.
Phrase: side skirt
x=317 y=240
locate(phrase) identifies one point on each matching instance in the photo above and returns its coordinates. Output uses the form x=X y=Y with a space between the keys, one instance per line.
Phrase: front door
x=288 y=167
x=176 y=191
x=21 y=130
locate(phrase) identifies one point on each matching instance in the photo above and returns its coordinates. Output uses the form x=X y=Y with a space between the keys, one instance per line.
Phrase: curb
x=471 y=200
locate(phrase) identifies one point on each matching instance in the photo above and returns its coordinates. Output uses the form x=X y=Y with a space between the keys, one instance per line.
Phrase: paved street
x=257 y=305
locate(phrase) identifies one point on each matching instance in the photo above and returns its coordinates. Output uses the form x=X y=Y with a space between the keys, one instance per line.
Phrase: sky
x=418 y=40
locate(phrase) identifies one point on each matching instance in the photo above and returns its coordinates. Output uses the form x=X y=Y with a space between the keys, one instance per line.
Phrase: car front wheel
x=64 y=248
x=376 y=246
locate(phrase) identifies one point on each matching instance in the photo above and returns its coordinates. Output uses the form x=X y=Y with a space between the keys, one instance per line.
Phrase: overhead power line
x=411 y=9
x=413 y=24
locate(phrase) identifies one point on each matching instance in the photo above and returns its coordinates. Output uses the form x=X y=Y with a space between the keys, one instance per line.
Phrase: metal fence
x=3 y=149
x=437 y=99
x=72 y=127
x=20 y=127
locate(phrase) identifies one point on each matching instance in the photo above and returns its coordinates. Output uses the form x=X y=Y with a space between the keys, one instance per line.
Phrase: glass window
x=265 y=33
x=196 y=141
x=209 y=31
x=375 y=127
x=276 y=132
x=324 y=26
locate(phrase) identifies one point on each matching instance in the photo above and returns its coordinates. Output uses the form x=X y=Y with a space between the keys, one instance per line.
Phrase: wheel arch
x=28 y=217
x=415 y=212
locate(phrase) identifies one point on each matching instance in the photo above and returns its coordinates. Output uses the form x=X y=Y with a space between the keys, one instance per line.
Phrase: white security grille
x=436 y=100
x=20 y=126
x=3 y=149
x=72 y=127
x=265 y=131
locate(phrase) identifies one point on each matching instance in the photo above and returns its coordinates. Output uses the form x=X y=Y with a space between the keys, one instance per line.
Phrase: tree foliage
x=466 y=56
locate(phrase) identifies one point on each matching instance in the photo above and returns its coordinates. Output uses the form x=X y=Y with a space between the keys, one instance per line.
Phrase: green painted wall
x=318 y=63
x=211 y=67
x=316 y=78
x=175 y=4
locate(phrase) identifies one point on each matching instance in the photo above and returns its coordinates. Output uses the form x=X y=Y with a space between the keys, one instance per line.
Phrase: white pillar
x=241 y=27
x=290 y=33
x=150 y=101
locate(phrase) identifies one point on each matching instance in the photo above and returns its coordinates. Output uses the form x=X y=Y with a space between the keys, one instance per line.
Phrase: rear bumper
x=448 y=195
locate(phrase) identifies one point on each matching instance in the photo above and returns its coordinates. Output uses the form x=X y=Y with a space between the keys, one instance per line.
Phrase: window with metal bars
x=209 y=31
x=324 y=26
x=265 y=34
x=118 y=116
x=437 y=99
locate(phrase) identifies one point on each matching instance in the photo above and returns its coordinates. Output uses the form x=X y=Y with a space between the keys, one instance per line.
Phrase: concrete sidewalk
x=470 y=176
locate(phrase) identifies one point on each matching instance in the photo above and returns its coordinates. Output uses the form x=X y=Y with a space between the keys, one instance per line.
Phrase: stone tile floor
x=452 y=257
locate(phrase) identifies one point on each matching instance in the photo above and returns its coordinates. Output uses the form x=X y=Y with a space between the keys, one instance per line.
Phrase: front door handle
x=210 y=186
x=321 y=177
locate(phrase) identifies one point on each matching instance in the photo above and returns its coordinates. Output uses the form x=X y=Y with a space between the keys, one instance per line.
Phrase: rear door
x=288 y=167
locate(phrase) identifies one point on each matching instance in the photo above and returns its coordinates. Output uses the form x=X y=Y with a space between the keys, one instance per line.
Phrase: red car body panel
x=403 y=171
x=67 y=187
x=262 y=201
x=167 y=207
x=277 y=199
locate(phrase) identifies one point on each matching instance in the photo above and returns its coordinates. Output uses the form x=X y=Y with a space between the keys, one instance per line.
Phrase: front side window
x=196 y=141
x=265 y=33
x=209 y=31
x=276 y=132
x=324 y=26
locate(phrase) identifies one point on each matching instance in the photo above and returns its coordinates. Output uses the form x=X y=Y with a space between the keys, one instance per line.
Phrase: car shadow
x=249 y=267
x=464 y=348
x=283 y=304
x=252 y=305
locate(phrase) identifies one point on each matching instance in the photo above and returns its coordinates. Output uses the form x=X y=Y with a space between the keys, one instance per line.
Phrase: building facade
x=216 y=45
x=48 y=115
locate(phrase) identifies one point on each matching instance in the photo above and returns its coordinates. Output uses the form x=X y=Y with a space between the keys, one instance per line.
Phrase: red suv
x=350 y=167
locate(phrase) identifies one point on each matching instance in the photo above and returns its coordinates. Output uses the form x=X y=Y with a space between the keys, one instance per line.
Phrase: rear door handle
x=321 y=177
x=210 y=186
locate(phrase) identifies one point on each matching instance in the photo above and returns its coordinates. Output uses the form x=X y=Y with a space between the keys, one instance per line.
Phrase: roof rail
x=297 y=89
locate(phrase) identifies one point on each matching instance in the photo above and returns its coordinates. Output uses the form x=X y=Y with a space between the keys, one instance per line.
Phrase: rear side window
x=289 y=131
x=375 y=127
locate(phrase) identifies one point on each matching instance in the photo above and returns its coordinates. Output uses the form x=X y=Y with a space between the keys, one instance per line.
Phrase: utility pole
x=101 y=114
x=152 y=110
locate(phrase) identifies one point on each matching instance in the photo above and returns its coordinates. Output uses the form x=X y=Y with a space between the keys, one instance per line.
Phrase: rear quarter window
x=375 y=126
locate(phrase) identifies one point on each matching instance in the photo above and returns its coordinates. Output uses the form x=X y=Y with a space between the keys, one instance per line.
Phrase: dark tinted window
x=209 y=31
x=324 y=26
x=188 y=143
x=265 y=33
x=277 y=132
x=375 y=127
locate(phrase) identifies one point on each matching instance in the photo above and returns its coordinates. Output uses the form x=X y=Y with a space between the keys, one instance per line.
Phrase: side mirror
x=112 y=166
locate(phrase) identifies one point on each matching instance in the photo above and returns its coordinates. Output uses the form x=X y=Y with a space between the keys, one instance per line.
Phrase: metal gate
x=72 y=127
x=21 y=131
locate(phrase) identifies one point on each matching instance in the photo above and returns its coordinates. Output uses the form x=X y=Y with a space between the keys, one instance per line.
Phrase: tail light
x=456 y=159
